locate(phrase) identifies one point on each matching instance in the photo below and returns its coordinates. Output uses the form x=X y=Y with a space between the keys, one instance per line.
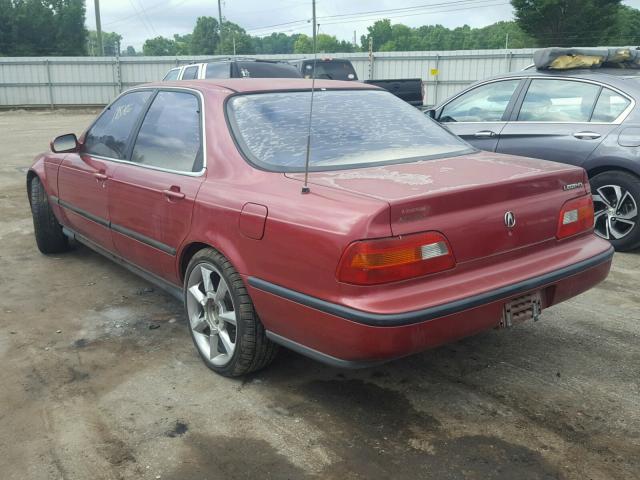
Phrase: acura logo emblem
x=509 y=220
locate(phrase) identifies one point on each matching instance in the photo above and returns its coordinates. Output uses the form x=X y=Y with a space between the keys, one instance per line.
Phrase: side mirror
x=65 y=144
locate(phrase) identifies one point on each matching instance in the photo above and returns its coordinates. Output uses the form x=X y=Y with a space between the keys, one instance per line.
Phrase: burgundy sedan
x=408 y=238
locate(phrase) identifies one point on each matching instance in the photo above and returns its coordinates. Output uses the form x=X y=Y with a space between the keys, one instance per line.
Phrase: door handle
x=484 y=134
x=587 y=135
x=101 y=177
x=172 y=194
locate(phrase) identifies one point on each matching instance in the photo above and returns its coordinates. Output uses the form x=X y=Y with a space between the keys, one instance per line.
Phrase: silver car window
x=558 y=101
x=486 y=103
x=609 y=106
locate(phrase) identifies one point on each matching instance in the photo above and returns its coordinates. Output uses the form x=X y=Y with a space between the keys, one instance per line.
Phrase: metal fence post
x=435 y=94
x=49 y=84
x=118 y=72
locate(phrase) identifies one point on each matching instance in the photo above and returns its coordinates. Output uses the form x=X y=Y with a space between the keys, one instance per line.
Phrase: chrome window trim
x=621 y=118
x=168 y=170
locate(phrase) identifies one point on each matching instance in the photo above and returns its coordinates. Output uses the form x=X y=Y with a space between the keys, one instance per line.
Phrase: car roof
x=246 y=85
x=591 y=74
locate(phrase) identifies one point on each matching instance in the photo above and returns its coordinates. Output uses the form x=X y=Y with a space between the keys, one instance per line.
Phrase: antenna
x=305 y=187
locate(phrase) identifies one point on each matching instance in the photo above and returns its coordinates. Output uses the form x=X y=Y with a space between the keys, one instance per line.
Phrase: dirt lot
x=100 y=380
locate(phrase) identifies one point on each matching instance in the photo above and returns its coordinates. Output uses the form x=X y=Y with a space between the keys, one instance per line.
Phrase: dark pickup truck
x=409 y=90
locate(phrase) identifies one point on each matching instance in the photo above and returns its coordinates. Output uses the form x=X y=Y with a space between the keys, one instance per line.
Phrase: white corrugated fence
x=83 y=81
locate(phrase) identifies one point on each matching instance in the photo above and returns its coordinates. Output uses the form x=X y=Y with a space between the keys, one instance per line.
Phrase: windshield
x=267 y=70
x=330 y=69
x=350 y=128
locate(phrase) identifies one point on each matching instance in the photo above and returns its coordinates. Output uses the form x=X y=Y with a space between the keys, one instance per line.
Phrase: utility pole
x=315 y=25
x=220 y=20
x=354 y=39
x=98 y=28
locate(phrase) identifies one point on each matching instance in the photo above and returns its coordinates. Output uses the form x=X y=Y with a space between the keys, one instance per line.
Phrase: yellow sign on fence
x=434 y=71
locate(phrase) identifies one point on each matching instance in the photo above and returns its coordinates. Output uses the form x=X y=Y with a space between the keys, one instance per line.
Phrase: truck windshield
x=350 y=128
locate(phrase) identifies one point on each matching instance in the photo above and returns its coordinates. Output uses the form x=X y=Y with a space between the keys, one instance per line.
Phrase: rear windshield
x=350 y=128
x=267 y=70
x=331 y=70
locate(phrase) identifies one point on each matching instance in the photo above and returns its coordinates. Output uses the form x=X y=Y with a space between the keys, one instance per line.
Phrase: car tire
x=221 y=318
x=616 y=199
x=48 y=231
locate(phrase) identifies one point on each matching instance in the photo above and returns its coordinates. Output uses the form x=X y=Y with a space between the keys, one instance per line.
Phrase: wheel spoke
x=213 y=346
x=226 y=342
x=198 y=323
x=601 y=198
x=229 y=317
x=206 y=279
x=614 y=231
x=222 y=290
x=598 y=214
x=197 y=294
x=618 y=191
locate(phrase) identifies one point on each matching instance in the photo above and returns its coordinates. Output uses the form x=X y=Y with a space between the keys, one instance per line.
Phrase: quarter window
x=172 y=75
x=109 y=136
x=217 y=70
x=169 y=137
x=486 y=103
x=609 y=107
x=190 y=73
x=558 y=101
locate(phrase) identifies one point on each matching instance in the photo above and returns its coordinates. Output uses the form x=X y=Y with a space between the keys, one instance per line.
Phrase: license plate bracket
x=521 y=309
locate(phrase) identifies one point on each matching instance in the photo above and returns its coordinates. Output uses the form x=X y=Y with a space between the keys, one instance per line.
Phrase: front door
x=479 y=115
x=84 y=178
x=152 y=196
x=562 y=120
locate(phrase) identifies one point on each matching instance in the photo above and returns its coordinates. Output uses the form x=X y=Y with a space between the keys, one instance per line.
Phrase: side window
x=172 y=75
x=170 y=133
x=558 y=101
x=190 y=73
x=486 y=103
x=108 y=137
x=217 y=70
x=609 y=106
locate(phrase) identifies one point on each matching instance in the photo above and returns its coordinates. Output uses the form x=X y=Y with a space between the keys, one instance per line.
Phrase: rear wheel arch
x=193 y=247
x=592 y=172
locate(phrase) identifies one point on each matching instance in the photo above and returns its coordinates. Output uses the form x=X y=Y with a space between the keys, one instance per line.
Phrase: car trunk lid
x=468 y=198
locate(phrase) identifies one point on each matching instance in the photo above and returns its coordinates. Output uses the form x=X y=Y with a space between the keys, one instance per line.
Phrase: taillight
x=370 y=262
x=575 y=216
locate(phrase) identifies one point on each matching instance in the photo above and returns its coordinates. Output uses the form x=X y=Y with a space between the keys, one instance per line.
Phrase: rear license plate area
x=521 y=309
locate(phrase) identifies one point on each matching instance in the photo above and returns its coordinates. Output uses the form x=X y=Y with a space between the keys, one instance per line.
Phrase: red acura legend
x=406 y=237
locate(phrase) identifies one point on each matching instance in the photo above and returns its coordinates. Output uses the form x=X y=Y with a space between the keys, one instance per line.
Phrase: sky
x=137 y=20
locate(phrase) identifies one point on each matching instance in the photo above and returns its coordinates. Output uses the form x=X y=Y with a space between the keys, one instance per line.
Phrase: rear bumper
x=349 y=337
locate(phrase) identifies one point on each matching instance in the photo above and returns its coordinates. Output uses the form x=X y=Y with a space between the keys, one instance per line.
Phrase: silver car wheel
x=616 y=212
x=212 y=314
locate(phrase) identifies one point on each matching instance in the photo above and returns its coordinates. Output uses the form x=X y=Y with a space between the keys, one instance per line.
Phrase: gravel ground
x=89 y=390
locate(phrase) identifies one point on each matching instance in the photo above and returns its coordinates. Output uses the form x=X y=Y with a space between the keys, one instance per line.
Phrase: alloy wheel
x=616 y=212
x=212 y=314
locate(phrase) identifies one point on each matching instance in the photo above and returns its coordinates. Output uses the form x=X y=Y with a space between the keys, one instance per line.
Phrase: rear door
x=84 y=179
x=152 y=195
x=479 y=114
x=563 y=120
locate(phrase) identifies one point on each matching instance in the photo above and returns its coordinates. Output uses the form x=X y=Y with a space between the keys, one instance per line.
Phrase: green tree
x=234 y=34
x=566 y=22
x=380 y=32
x=625 y=30
x=183 y=43
x=70 y=32
x=110 y=42
x=130 y=51
x=325 y=44
x=159 y=46
x=205 y=36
